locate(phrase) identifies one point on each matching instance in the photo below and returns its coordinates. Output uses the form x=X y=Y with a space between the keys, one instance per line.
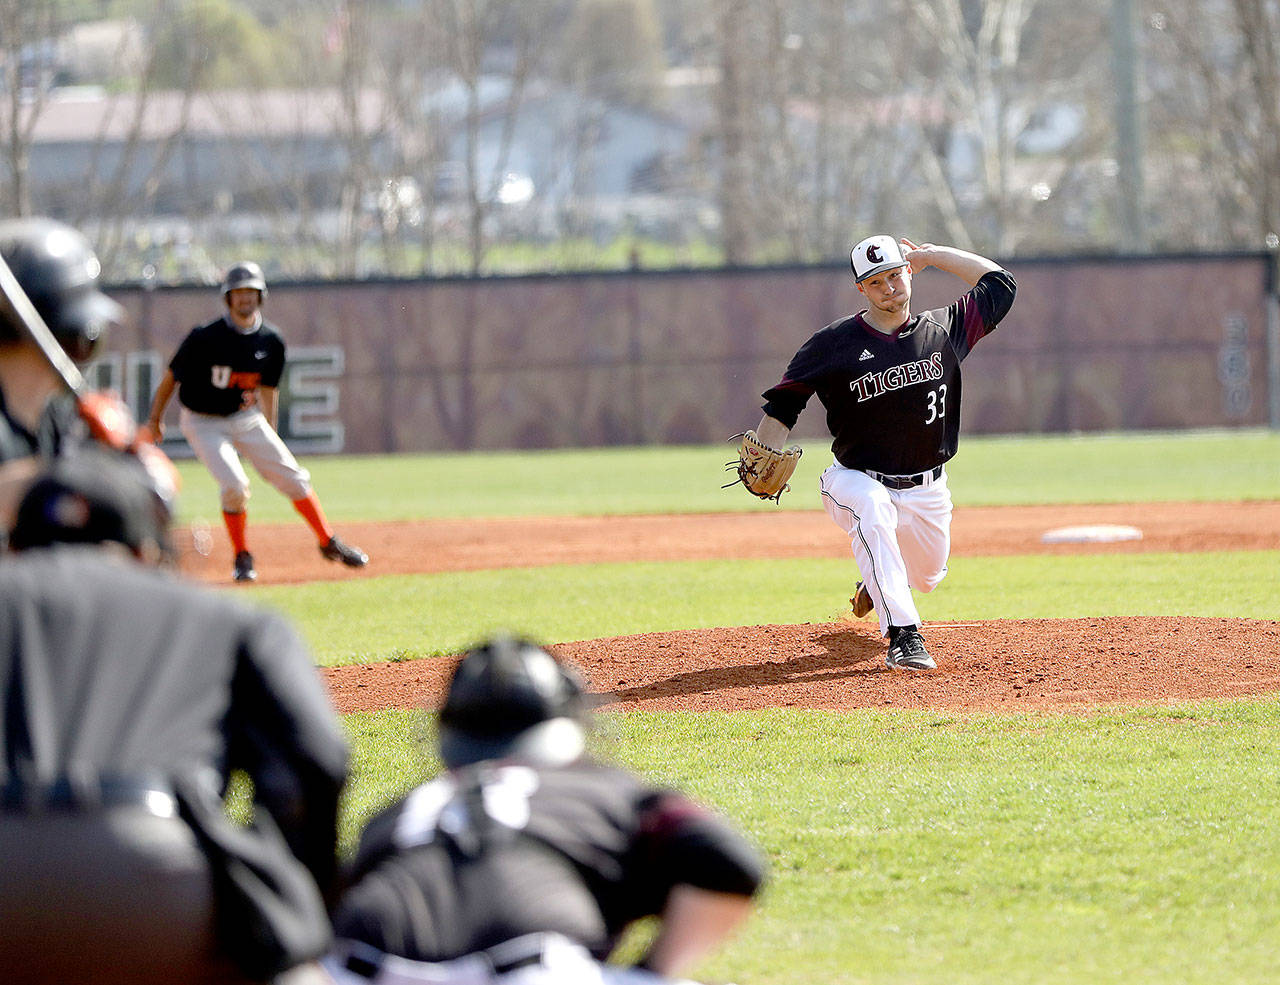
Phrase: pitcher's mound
x=1007 y=665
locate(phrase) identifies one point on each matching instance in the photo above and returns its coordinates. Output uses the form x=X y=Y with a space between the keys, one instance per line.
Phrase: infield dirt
x=1003 y=665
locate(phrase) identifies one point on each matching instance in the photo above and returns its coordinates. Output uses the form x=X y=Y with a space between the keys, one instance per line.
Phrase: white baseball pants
x=901 y=538
x=553 y=960
x=220 y=441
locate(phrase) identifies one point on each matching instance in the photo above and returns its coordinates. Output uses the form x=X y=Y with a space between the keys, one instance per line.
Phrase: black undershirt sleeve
x=685 y=844
x=994 y=295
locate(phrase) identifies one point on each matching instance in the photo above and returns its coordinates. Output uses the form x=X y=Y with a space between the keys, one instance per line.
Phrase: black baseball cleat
x=861 y=601
x=335 y=550
x=244 y=567
x=906 y=650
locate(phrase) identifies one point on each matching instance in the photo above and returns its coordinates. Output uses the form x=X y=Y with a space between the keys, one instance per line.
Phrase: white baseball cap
x=874 y=254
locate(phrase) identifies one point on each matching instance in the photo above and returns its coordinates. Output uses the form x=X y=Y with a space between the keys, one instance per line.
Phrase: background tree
x=737 y=133
x=1213 y=140
x=411 y=52
x=989 y=123
x=123 y=185
x=28 y=29
x=479 y=34
x=358 y=62
x=971 y=56
x=217 y=42
x=591 y=57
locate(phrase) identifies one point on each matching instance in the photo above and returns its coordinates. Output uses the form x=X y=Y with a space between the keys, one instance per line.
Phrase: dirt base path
x=1006 y=665
x=286 y=553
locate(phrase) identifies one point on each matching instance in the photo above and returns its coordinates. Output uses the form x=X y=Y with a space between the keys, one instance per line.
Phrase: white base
x=1097 y=533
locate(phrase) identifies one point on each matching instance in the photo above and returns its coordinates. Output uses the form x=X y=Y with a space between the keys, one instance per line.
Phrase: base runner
x=227 y=374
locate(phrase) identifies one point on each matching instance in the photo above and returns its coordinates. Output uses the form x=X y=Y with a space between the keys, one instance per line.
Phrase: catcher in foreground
x=528 y=858
x=763 y=470
x=890 y=383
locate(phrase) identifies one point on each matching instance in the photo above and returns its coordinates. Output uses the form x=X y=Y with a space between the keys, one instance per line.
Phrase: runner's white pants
x=220 y=441
x=901 y=538
x=559 y=961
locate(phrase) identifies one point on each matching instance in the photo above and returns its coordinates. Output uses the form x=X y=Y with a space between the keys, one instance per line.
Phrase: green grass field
x=1210 y=465
x=1130 y=845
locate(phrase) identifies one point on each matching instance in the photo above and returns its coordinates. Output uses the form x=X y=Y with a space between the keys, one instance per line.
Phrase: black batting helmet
x=244 y=273
x=97 y=495
x=58 y=270
x=509 y=698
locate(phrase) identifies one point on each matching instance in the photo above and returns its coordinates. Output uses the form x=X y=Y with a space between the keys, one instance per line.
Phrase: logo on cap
x=874 y=254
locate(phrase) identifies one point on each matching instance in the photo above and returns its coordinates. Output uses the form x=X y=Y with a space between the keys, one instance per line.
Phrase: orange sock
x=309 y=507
x=235 y=527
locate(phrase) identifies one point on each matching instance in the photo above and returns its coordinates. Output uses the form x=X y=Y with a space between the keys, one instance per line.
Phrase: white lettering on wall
x=310 y=418
x=1234 y=369
x=310 y=395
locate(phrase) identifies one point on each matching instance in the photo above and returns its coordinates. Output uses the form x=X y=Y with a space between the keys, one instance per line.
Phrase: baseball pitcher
x=890 y=383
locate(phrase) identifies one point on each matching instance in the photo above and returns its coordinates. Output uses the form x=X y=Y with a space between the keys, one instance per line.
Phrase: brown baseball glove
x=763 y=470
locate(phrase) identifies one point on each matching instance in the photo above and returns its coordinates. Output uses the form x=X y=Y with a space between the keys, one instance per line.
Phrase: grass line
x=1207 y=466
x=404 y=616
x=1129 y=846
x=918 y=847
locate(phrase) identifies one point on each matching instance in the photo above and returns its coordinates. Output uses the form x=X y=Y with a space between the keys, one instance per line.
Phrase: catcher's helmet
x=58 y=270
x=245 y=273
x=96 y=495
x=510 y=698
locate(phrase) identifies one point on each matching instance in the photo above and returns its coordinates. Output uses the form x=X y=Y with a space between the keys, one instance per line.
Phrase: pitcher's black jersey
x=502 y=849
x=892 y=401
x=219 y=369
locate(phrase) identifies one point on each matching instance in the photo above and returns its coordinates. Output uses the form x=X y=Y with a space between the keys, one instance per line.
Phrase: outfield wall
x=682 y=357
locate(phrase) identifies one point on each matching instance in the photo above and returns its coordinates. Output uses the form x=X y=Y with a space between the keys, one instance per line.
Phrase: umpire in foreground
x=524 y=862
x=127 y=698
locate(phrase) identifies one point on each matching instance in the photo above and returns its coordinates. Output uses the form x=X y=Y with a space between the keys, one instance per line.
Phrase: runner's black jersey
x=892 y=401
x=219 y=369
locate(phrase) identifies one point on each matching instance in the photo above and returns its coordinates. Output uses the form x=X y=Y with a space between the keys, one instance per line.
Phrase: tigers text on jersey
x=219 y=369
x=892 y=401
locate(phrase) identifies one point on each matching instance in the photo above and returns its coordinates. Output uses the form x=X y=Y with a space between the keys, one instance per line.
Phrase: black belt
x=905 y=481
x=82 y=796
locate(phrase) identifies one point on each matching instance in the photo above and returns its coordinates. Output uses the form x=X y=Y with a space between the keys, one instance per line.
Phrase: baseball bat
x=23 y=315
x=107 y=418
